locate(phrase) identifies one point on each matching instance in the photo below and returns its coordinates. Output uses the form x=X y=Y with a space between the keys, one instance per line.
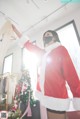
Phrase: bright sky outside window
x=7 y=64
x=68 y=38
x=30 y=62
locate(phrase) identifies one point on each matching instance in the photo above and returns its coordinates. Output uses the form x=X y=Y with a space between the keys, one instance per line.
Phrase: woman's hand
x=18 y=33
x=22 y=38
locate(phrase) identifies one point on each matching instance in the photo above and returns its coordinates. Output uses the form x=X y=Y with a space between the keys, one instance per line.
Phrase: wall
x=36 y=33
x=16 y=64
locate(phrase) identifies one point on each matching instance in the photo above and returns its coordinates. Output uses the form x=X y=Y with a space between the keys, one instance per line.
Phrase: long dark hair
x=55 y=35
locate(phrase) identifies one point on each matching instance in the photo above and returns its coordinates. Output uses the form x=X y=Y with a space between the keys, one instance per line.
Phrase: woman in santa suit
x=56 y=68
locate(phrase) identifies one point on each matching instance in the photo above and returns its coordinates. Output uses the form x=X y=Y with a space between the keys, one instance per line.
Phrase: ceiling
x=26 y=14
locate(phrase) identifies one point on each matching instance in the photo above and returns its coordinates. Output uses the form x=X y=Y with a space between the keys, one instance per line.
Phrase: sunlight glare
x=30 y=61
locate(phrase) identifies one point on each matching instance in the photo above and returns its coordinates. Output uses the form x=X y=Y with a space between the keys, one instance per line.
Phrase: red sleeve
x=33 y=48
x=70 y=74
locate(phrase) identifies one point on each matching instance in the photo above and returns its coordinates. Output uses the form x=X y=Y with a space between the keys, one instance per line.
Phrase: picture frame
x=3 y=115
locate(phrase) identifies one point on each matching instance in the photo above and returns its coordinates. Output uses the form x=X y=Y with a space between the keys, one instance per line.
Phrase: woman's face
x=48 y=39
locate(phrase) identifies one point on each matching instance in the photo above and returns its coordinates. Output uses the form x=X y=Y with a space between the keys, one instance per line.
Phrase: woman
x=55 y=69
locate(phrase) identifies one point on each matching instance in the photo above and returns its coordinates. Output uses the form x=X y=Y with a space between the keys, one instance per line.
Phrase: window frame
x=4 y=62
x=75 y=28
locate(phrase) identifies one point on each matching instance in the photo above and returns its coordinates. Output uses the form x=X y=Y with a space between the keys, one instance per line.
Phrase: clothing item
x=7 y=88
x=55 y=69
x=6 y=33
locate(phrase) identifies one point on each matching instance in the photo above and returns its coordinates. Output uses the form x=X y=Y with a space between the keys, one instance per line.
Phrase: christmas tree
x=23 y=95
x=23 y=89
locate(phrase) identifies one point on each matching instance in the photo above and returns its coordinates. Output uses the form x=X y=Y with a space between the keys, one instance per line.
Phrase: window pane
x=30 y=61
x=7 y=64
x=68 y=38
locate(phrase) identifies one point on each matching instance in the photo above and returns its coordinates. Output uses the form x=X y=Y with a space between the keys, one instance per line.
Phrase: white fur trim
x=43 y=65
x=52 y=46
x=76 y=104
x=52 y=103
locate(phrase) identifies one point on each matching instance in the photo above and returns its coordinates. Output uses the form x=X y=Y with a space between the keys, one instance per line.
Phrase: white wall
x=16 y=63
x=37 y=32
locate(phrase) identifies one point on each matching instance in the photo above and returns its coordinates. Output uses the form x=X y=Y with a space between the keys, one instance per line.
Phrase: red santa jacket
x=56 y=68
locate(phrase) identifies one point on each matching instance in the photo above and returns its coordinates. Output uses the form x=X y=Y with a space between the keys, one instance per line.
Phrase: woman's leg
x=56 y=114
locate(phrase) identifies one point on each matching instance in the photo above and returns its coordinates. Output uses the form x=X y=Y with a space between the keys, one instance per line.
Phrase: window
x=7 y=64
x=69 y=38
x=29 y=62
